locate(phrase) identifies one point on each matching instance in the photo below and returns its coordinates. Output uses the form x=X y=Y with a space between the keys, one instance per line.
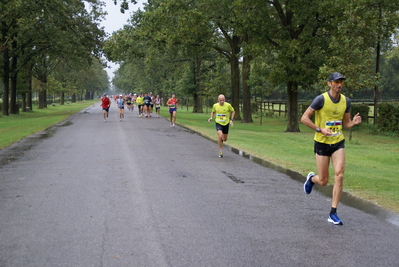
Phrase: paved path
x=141 y=193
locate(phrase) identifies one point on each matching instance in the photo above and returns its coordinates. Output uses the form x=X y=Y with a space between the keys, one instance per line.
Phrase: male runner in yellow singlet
x=332 y=111
x=224 y=116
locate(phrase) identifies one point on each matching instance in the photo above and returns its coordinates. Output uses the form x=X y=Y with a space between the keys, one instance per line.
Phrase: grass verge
x=16 y=127
x=372 y=161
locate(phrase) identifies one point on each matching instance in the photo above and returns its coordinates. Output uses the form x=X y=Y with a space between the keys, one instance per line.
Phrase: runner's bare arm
x=233 y=113
x=306 y=118
x=209 y=120
x=348 y=123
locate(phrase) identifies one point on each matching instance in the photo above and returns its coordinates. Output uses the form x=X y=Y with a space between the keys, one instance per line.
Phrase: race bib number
x=335 y=127
x=172 y=106
x=157 y=105
x=221 y=117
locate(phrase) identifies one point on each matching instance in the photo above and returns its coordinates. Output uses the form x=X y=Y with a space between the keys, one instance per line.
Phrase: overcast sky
x=115 y=21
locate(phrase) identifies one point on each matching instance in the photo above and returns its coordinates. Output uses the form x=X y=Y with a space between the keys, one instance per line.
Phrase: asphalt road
x=141 y=193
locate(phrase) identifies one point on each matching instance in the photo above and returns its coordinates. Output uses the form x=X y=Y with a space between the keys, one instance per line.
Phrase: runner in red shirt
x=105 y=104
x=172 y=103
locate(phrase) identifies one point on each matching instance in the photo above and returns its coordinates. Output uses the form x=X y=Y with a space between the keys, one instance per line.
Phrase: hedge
x=388 y=117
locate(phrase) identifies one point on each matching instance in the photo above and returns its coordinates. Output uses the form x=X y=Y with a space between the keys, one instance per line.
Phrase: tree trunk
x=62 y=100
x=73 y=98
x=14 y=109
x=45 y=96
x=235 y=77
x=6 y=83
x=43 y=92
x=261 y=113
x=246 y=90
x=41 y=99
x=292 y=107
x=13 y=96
x=6 y=72
x=377 y=70
x=23 y=108
x=197 y=80
x=29 y=93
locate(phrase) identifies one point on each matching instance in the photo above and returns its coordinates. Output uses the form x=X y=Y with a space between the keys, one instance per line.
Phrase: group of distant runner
x=145 y=104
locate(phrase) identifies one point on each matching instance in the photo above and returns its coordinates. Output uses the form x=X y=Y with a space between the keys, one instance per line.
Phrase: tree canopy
x=37 y=36
x=297 y=43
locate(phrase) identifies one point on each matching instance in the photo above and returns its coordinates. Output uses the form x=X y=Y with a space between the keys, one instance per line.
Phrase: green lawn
x=372 y=164
x=16 y=127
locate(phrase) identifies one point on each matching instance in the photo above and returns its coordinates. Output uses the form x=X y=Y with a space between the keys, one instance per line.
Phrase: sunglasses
x=338 y=81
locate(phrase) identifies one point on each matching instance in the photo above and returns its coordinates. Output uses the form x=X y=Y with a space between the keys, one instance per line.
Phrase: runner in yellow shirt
x=140 y=103
x=332 y=110
x=224 y=117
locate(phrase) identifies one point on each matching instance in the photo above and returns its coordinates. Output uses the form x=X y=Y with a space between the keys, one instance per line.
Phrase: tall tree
x=382 y=16
x=178 y=25
x=297 y=35
x=365 y=27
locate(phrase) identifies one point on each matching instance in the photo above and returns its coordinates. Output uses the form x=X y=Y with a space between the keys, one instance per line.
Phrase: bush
x=268 y=113
x=388 y=117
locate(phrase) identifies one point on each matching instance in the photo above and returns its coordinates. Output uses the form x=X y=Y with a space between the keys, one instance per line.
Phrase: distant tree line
x=254 y=49
x=51 y=47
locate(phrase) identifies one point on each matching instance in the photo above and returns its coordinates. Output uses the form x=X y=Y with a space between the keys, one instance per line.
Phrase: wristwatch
x=318 y=129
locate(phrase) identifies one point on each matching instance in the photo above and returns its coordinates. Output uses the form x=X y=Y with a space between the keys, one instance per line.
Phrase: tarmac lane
x=141 y=193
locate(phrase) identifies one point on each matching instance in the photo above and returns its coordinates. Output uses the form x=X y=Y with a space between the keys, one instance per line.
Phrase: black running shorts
x=223 y=128
x=322 y=149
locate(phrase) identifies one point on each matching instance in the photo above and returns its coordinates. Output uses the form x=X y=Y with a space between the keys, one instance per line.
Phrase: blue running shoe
x=334 y=219
x=308 y=185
